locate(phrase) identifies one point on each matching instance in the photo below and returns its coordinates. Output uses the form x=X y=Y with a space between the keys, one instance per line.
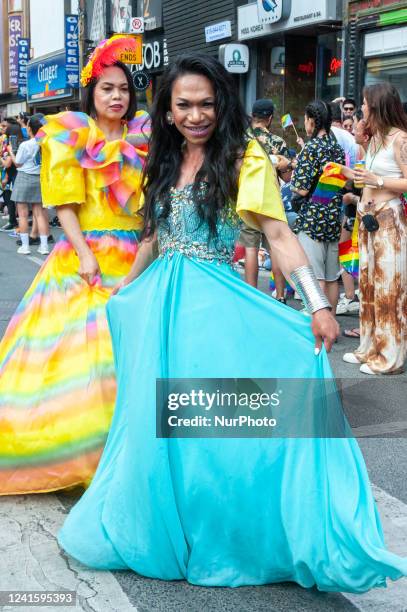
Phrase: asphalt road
x=376 y=406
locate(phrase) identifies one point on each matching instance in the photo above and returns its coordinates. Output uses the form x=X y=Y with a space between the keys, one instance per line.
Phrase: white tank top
x=383 y=162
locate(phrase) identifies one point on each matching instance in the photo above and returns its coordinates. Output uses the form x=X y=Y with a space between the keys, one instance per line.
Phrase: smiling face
x=111 y=96
x=193 y=108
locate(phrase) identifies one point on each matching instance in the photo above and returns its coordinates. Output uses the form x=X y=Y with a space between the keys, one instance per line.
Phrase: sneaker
x=14 y=234
x=348 y=306
x=23 y=250
x=32 y=241
x=43 y=251
x=281 y=300
x=51 y=238
x=8 y=227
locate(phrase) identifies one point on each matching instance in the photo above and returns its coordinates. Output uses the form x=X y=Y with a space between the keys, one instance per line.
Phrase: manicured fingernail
x=317 y=351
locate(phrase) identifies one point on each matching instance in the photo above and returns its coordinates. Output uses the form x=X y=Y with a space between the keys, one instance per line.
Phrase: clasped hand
x=89 y=268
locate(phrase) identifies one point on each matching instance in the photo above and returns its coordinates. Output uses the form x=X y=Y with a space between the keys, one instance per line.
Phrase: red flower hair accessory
x=107 y=53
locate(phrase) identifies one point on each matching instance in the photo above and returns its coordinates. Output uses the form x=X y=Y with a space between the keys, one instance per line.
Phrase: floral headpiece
x=107 y=53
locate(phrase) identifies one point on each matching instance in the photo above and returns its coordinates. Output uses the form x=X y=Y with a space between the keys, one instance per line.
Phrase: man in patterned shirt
x=251 y=239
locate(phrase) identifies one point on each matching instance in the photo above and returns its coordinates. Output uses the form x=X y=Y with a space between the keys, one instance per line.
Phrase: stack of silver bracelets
x=309 y=289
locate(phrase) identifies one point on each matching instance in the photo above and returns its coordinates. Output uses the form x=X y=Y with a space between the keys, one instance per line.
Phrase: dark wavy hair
x=385 y=109
x=88 y=102
x=223 y=149
x=320 y=112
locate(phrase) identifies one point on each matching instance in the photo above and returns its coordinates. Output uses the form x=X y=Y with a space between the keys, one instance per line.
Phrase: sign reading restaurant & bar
x=306 y=12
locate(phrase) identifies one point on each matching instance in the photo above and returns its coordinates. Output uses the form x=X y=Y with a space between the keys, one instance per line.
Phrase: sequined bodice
x=184 y=232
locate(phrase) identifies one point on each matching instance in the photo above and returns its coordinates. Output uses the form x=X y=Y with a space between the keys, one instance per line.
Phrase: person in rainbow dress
x=212 y=509
x=57 y=380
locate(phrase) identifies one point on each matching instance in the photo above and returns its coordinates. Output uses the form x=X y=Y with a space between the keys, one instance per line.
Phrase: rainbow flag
x=349 y=253
x=272 y=285
x=286 y=121
x=330 y=182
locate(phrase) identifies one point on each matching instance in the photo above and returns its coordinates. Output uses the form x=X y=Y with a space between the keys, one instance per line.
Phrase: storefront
x=155 y=60
x=47 y=85
x=294 y=59
x=376 y=45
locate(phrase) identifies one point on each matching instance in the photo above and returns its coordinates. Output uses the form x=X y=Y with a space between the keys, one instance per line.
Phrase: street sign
x=141 y=80
x=137 y=25
x=133 y=56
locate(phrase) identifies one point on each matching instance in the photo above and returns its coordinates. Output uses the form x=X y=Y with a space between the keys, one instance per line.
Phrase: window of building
x=329 y=66
x=392 y=69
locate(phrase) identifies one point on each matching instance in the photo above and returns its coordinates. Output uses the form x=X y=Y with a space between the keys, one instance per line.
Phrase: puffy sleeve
x=62 y=177
x=259 y=191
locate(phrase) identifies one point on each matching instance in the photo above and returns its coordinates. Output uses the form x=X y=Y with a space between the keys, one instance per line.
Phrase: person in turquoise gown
x=220 y=511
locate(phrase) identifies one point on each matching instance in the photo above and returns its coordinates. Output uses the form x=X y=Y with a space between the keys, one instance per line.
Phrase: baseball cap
x=263 y=108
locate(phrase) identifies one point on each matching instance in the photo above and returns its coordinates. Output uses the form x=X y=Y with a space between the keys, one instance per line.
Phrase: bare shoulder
x=400 y=147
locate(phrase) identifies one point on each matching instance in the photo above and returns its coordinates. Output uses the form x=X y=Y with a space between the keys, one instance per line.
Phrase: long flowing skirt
x=57 y=381
x=215 y=511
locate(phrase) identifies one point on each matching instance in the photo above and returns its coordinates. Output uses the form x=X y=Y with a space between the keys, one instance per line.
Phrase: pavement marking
x=379 y=429
x=36 y=260
x=31 y=560
x=393 y=514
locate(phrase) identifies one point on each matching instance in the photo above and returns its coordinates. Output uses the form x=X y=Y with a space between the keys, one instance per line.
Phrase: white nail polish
x=317 y=351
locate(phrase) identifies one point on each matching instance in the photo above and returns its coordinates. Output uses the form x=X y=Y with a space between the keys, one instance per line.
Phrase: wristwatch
x=380 y=181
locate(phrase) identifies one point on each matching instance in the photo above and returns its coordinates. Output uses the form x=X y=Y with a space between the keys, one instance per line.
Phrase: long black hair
x=222 y=150
x=88 y=102
x=320 y=112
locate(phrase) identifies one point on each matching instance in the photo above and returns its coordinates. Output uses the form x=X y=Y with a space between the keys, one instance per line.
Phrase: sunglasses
x=348 y=108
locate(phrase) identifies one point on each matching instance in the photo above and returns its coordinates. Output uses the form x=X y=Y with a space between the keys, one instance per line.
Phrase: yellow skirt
x=57 y=383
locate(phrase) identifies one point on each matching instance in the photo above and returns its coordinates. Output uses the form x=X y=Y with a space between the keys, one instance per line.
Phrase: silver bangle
x=308 y=287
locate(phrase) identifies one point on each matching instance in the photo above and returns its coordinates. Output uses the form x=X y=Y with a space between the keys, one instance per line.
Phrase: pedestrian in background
x=14 y=137
x=251 y=239
x=27 y=188
x=383 y=236
x=319 y=225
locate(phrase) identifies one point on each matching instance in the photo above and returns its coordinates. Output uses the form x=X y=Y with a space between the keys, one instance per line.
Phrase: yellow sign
x=133 y=56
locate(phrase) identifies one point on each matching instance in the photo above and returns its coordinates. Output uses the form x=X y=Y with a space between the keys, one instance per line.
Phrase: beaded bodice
x=184 y=232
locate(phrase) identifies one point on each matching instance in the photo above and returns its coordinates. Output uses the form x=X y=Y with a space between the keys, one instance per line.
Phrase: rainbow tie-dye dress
x=57 y=384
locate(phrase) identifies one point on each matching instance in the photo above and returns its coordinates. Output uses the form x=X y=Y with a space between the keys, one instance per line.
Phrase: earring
x=169 y=118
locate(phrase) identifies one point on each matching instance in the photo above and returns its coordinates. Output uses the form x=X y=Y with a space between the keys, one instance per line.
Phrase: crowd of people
x=21 y=199
x=372 y=138
x=141 y=287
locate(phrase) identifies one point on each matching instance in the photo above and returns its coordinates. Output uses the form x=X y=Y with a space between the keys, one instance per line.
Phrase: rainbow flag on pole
x=349 y=253
x=286 y=121
x=330 y=182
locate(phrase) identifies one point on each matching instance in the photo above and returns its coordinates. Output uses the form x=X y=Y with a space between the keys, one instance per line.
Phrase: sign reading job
x=72 y=50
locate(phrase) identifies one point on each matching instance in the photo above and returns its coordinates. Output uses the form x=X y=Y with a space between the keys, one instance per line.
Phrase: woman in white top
x=27 y=188
x=383 y=236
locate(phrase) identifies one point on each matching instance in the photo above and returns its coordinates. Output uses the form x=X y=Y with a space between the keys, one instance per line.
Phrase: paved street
x=30 y=558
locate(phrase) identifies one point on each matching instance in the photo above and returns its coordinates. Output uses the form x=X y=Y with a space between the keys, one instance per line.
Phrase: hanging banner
x=15 y=30
x=72 y=50
x=23 y=58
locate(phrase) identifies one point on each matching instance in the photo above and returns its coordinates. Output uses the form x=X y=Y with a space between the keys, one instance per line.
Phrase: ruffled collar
x=119 y=162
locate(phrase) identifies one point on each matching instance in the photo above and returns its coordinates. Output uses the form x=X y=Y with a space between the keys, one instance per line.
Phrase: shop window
x=330 y=64
x=392 y=69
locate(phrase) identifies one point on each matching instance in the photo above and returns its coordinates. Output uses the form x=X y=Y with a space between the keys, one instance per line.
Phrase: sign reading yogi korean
x=72 y=50
x=47 y=78
x=23 y=58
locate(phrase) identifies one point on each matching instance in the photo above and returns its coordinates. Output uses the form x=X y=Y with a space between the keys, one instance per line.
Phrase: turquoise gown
x=214 y=511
